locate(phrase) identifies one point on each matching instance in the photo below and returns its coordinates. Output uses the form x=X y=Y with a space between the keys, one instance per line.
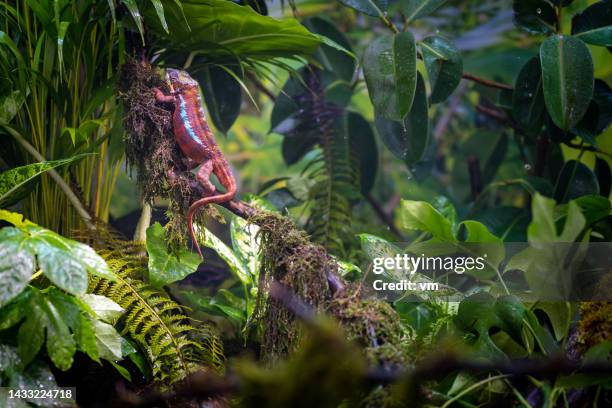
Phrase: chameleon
x=197 y=142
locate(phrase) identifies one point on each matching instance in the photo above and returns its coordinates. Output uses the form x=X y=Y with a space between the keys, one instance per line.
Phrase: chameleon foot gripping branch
x=197 y=142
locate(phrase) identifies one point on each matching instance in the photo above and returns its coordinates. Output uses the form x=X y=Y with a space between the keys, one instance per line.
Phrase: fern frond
x=173 y=346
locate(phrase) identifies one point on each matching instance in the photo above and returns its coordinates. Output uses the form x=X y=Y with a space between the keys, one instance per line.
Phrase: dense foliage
x=357 y=129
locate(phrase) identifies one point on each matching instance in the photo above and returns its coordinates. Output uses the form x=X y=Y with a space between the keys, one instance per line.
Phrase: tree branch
x=486 y=82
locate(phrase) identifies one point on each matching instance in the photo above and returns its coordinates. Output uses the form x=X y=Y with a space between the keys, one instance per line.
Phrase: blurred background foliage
x=367 y=122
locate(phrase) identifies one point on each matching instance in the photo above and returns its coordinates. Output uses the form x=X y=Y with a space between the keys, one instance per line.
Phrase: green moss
x=595 y=325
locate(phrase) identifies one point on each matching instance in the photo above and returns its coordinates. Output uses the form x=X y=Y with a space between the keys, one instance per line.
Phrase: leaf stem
x=486 y=82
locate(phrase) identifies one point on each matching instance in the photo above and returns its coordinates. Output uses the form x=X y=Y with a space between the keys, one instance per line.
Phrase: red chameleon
x=197 y=142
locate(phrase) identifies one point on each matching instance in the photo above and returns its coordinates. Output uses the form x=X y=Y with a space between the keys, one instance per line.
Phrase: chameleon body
x=197 y=142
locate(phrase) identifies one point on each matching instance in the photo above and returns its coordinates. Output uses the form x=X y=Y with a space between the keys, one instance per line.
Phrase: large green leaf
x=246 y=244
x=414 y=9
x=164 y=266
x=371 y=7
x=408 y=139
x=594 y=24
x=364 y=151
x=220 y=28
x=444 y=66
x=421 y=216
x=481 y=312
x=14 y=183
x=222 y=94
x=575 y=180
x=528 y=97
x=389 y=67
x=536 y=16
x=43 y=321
x=567 y=71
x=238 y=268
x=65 y=262
x=543 y=228
x=16 y=268
x=332 y=59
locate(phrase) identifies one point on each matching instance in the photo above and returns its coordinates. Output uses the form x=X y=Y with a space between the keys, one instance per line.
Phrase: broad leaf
x=421 y=216
x=492 y=246
x=364 y=151
x=444 y=66
x=371 y=7
x=166 y=267
x=220 y=28
x=222 y=94
x=14 y=183
x=480 y=313
x=575 y=180
x=414 y=9
x=537 y=16
x=543 y=229
x=331 y=58
x=389 y=67
x=528 y=97
x=44 y=321
x=594 y=24
x=408 y=139
x=227 y=254
x=567 y=71
x=65 y=262
x=10 y=105
x=246 y=243
x=104 y=308
x=16 y=268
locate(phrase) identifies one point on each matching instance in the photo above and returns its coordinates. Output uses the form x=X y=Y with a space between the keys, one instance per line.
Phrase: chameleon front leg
x=203 y=176
x=161 y=97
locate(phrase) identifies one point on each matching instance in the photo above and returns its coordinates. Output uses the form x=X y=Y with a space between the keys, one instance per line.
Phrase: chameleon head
x=180 y=80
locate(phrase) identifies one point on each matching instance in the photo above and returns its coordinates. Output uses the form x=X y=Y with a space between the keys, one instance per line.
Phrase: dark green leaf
x=594 y=208
x=364 y=150
x=602 y=96
x=389 y=67
x=536 y=16
x=132 y=7
x=567 y=71
x=14 y=183
x=444 y=66
x=414 y=9
x=604 y=176
x=10 y=105
x=594 y=24
x=222 y=94
x=528 y=97
x=220 y=28
x=371 y=7
x=330 y=58
x=575 y=180
x=43 y=320
x=295 y=147
x=408 y=140
x=480 y=313
x=164 y=266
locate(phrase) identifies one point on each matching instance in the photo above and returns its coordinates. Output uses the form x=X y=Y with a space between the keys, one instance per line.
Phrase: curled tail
x=215 y=199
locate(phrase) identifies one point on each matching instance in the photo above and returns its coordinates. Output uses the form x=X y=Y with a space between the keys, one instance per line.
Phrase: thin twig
x=383 y=215
x=487 y=82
